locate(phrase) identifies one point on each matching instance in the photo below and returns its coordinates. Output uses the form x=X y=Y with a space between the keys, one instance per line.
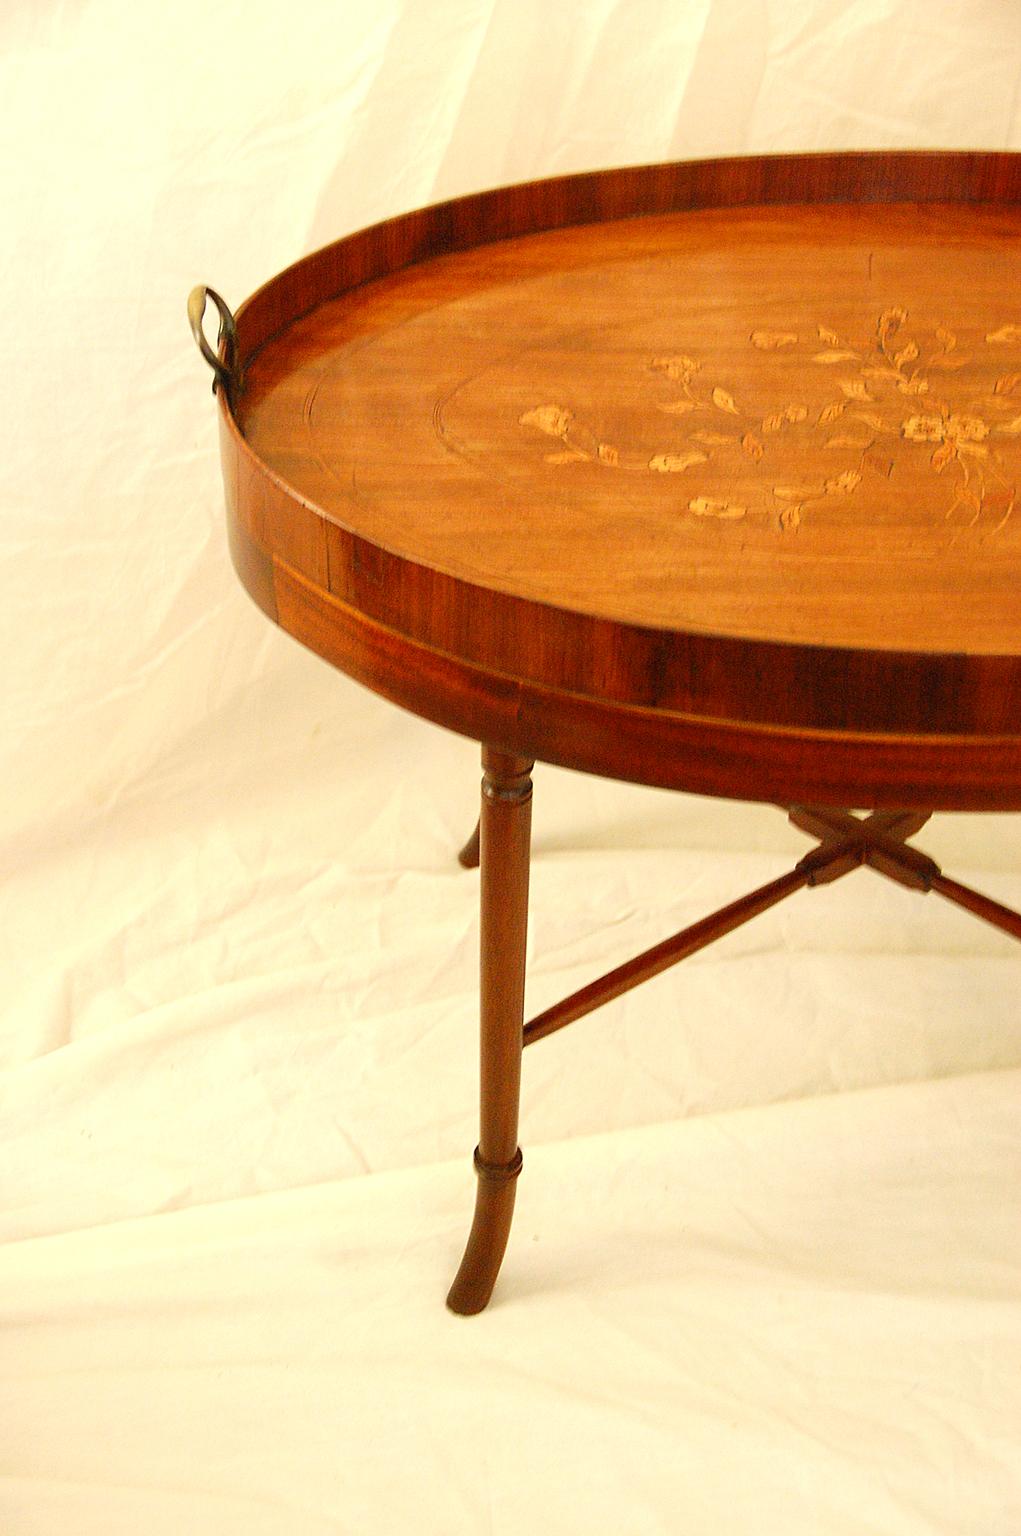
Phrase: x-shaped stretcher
x=845 y=842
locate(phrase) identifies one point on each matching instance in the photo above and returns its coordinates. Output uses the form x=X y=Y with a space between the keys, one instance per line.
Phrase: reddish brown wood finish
x=505 y=830
x=657 y=747
x=994 y=912
x=436 y=480
x=662 y=956
x=847 y=842
x=470 y=853
x=691 y=681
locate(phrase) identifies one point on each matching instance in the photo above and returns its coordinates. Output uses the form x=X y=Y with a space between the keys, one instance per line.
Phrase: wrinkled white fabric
x=766 y=1269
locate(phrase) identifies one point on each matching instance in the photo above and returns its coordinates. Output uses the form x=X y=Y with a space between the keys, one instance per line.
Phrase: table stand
x=501 y=843
x=705 y=476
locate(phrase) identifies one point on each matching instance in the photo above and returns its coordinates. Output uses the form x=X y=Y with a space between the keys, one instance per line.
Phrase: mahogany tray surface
x=702 y=475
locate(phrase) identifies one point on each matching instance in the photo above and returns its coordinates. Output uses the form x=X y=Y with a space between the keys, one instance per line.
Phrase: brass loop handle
x=226 y=369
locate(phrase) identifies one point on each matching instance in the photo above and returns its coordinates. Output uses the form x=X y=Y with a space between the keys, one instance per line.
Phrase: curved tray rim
x=303 y=541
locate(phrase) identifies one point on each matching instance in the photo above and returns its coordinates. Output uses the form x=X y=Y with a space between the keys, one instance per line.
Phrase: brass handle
x=226 y=368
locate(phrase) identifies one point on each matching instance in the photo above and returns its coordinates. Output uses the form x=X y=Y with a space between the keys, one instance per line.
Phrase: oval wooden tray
x=700 y=475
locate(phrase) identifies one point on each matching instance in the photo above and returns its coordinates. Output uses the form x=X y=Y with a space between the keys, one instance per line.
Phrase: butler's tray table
x=700 y=475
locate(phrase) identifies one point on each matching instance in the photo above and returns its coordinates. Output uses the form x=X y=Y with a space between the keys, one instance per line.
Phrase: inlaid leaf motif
x=706 y=506
x=871 y=420
x=673 y=463
x=962 y=447
x=843 y=484
x=794 y=492
x=768 y=341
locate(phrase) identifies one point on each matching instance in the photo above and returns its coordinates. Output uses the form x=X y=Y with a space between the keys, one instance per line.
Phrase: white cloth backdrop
x=766 y=1271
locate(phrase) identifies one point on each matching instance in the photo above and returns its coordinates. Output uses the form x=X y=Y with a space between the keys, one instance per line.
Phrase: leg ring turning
x=498 y=1173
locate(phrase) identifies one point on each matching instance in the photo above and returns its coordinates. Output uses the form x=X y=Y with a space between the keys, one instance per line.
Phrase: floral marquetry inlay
x=906 y=394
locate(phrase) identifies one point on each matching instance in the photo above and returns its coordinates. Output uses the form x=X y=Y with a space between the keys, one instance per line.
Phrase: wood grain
x=505 y=825
x=720 y=457
x=613 y=432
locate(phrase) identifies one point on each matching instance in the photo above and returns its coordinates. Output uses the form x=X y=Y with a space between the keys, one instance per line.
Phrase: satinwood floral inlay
x=892 y=396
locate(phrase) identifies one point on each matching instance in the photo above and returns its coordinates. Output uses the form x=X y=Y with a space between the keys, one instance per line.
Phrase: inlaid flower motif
x=953 y=435
x=865 y=417
x=551 y=419
x=557 y=422
x=959 y=430
x=680 y=367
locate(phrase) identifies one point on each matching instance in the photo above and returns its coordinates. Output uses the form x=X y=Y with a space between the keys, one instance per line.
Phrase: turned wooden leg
x=505 y=830
x=469 y=855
